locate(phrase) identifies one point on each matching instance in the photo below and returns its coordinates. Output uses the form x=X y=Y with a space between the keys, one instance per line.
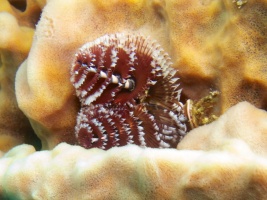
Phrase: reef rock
x=234 y=169
x=15 y=42
x=215 y=45
x=242 y=122
x=44 y=79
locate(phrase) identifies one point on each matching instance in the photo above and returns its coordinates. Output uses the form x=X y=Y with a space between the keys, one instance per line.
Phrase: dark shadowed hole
x=19 y=4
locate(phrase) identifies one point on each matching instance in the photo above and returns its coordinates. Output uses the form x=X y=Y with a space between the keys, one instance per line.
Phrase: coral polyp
x=129 y=94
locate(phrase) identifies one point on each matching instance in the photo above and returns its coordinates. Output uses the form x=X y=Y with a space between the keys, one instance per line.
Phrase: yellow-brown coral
x=214 y=44
x=15 y=41
x=241 y=122
x=44 y=78
x=217 y=45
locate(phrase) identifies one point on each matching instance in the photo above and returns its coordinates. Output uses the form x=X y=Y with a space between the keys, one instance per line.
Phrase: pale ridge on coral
x=131 y=172
x=232 y=169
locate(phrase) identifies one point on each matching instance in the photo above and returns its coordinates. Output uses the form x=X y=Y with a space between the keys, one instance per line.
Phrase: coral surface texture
x=231 y=169
x=214 y=44
x=79 y=72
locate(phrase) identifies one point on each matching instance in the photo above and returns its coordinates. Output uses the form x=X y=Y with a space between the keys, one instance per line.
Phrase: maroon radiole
x=129 y=94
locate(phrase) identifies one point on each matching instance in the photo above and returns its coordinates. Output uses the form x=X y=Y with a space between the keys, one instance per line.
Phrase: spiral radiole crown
x=129 y=94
